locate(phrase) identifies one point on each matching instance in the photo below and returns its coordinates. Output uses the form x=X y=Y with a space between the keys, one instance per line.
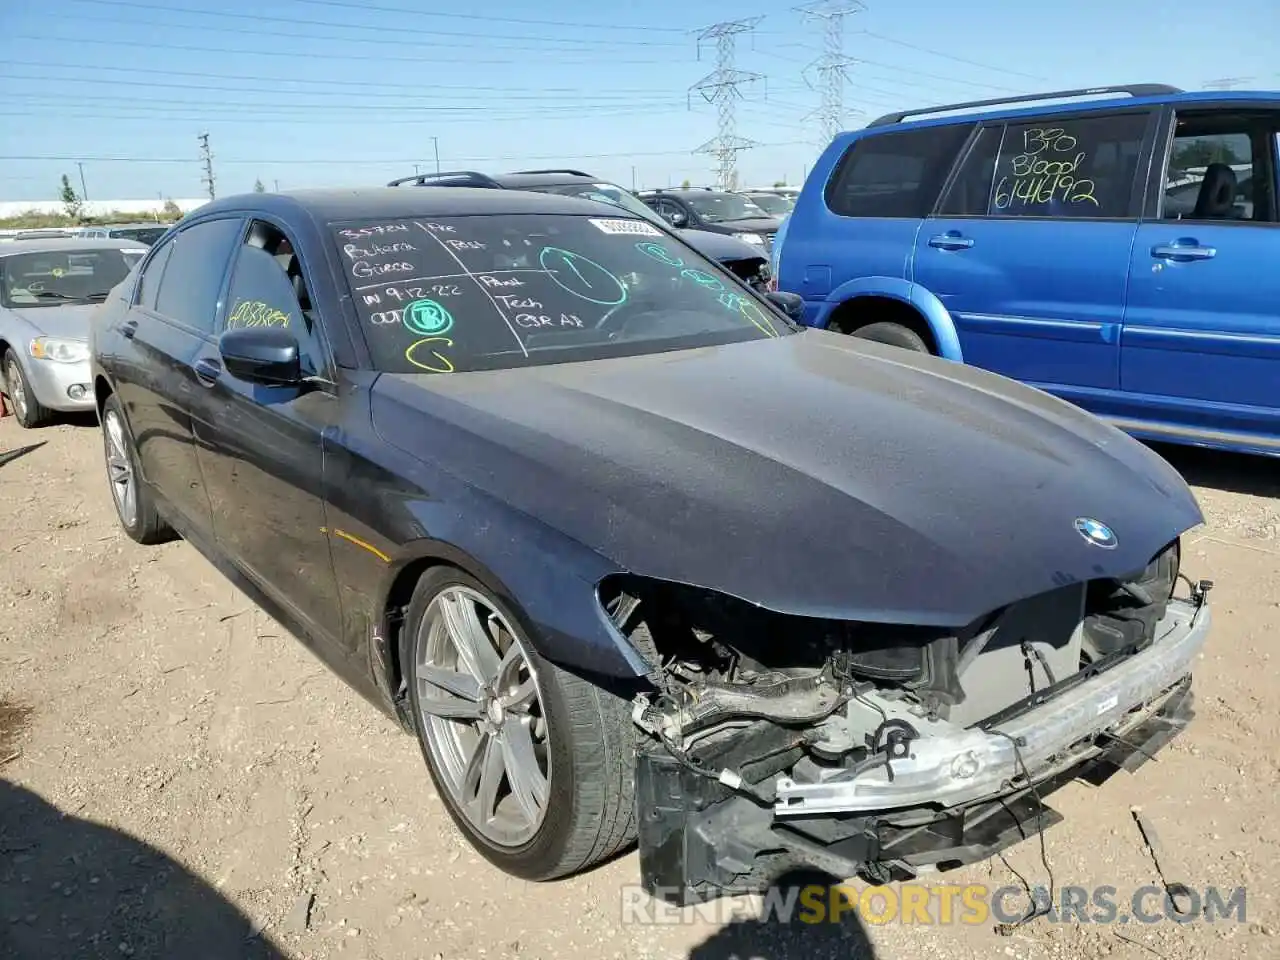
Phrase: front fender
x=895 y=288
x=545 y=576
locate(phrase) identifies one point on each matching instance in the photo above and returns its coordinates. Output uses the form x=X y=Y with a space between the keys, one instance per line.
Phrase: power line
x=952 y=57
x=722 y=87
x=485 y=18
x=398 y=28
x=382 y=57
x=832 y=67
x=259 y=80
x=347 y=161
x=424 y=100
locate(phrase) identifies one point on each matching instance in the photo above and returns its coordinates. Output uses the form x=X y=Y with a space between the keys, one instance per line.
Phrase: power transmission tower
x=829 y=71
x=1226 y=83
x=722 y=86
x=207 y=159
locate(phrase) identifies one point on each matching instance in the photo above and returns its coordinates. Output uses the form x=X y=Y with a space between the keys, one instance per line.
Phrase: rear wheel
x=535 y=765
x=133 y=499
x=26 y=408
x=893 y=334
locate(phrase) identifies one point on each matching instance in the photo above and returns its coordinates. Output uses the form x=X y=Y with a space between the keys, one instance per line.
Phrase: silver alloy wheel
x=120 y=468
x=481 y=710
x=17 y=389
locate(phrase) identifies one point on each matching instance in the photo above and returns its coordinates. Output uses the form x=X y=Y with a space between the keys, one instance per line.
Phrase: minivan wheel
x=27 y=409
x=133 y=499
x=893 y=334
x=534 y=764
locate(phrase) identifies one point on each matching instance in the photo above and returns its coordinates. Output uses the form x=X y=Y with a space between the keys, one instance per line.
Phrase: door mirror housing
x=678 y=218
x=792 y=304
x=266 y=355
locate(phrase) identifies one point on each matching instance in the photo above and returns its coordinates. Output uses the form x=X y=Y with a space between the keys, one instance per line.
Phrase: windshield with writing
x=457 y=294
x=61 y=276
x=723 y=207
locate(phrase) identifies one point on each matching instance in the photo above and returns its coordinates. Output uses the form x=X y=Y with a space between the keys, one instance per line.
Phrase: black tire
x=146 y=526
x=590 y=812
x=893 y=334
x=29 y=413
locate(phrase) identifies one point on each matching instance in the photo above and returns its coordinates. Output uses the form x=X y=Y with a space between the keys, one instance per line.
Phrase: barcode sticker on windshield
x=628 y=228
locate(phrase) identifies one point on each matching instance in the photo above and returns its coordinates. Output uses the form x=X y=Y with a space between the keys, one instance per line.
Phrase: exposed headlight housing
x=59 y=350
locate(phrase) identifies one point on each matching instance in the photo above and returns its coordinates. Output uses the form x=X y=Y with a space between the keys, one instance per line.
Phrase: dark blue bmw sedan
x=635 y=557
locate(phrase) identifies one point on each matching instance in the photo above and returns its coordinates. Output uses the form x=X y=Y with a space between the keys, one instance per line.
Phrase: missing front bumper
x=699 y=839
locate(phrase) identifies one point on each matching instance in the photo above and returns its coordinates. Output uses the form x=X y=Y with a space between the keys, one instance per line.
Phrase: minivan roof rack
x=456 y=178
x=575 y=173
x=1132 y=89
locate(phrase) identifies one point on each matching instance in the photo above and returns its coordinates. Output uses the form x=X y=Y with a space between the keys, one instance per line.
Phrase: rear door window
x=895 y=174
x=193 y=277
x=1072 y=168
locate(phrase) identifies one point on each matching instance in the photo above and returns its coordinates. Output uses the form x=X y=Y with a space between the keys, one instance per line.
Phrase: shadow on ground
x=71 y=889
x=8 y=456
x=771 y=938
x=1231 y=472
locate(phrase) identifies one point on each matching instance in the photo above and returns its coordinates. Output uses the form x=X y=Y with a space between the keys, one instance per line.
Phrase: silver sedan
x=49 y=289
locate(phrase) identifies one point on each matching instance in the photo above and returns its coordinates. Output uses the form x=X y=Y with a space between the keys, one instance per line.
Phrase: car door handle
x=951 y=241
x=128 y=329
x=1183 y=251
x=207 y=371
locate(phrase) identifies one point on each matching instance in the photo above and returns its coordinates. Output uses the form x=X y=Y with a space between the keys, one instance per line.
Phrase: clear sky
x=342 y=92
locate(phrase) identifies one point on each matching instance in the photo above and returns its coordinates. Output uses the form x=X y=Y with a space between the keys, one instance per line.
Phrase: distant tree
x=684 y=184
x=1201 y=153
x=258 y=187
x=780 y=183
x=171 y=210
x=71 y=201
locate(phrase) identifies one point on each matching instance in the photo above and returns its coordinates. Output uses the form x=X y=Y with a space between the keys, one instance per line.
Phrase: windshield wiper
x=53 y=295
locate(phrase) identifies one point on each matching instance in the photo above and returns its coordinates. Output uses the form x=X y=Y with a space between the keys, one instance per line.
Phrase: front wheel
x=133 y=499
x=27 y=408
x=535 y=765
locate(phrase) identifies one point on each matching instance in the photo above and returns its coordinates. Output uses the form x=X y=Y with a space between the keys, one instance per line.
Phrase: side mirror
x=792 y=304
x=678 y=219
x=266 y=355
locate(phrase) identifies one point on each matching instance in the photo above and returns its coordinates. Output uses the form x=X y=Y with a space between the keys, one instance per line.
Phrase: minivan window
x=895 y=174
x=1073 y=168
x=193 y=278
x=459 y=294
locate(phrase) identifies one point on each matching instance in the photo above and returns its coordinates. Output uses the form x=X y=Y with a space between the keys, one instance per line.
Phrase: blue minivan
x=1119 y=248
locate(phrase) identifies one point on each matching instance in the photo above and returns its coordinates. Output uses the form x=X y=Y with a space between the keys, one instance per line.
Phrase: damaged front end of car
x=770 y=742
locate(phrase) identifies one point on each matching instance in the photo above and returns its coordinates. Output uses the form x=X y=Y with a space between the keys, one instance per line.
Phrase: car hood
x=753 y=225
x=721 y=246
x=812 y=474
x=69 y=320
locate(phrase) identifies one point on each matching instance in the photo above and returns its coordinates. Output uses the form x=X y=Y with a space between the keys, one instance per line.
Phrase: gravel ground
x=181 y=779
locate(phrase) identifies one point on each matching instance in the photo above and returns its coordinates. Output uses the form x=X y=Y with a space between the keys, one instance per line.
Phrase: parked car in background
x=1116 y=248
x=48 y=290
x=147 y=233
x=716 y=211
x=746 y=261
x=774 y=204
x=633 y=555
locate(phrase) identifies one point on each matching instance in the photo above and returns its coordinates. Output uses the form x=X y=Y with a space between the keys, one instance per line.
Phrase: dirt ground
x=179 y=778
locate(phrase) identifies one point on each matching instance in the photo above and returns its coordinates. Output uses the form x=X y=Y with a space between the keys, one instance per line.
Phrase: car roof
x=1012 y=108
x=393 y=203
x=60 y=244
x=691 y=192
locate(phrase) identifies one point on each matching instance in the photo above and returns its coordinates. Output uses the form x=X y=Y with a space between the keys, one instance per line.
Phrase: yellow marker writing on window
x=440 y=364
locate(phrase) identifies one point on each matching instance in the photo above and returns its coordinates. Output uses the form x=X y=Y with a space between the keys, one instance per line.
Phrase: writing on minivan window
x=1048 y=168
x=457 y=294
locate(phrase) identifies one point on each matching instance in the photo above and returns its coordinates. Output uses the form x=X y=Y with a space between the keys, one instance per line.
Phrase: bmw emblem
x=1096 y=532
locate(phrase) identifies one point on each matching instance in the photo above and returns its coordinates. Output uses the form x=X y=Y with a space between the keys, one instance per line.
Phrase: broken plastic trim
x=952 y=768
